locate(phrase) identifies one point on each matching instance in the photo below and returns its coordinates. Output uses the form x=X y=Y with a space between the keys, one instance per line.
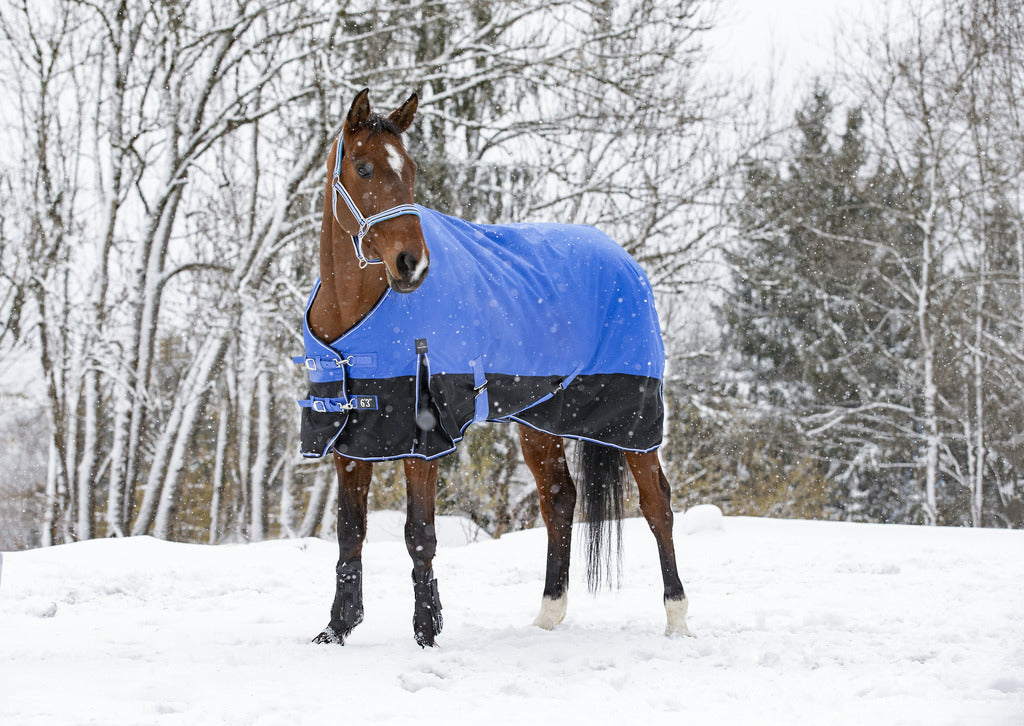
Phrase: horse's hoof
x=329 y=636
x=552 y=612
x=427 y=620
x=678 y=632
x=425 y=640
x=675 y=610
x=426 y=636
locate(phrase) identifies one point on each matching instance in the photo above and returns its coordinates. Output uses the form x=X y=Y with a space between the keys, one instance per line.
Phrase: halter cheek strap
x=364 y=222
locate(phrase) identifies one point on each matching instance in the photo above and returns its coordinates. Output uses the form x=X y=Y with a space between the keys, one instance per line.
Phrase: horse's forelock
x=378 y=124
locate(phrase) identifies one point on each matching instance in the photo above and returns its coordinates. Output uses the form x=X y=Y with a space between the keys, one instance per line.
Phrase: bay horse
x=374 y=255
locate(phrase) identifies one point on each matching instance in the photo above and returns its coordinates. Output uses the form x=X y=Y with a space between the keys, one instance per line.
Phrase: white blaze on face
x=421 y=267
x=395 y=159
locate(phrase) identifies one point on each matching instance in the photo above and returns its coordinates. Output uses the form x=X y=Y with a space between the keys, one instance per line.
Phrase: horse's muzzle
x=412 y=271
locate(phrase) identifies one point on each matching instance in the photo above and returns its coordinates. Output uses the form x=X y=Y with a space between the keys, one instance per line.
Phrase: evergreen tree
x=811 y=307
x=815 y=313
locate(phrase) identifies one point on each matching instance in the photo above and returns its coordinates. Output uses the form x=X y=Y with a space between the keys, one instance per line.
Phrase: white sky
x=794 y=39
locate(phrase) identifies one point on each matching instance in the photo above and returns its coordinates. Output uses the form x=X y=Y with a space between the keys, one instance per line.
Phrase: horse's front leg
x=421 y=540
x=353 y=488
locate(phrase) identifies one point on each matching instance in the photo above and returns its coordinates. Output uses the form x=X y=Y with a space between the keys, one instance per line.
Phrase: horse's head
x=377 y=174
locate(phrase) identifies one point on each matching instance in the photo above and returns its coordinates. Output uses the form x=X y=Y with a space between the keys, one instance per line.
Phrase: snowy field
x=795 y=623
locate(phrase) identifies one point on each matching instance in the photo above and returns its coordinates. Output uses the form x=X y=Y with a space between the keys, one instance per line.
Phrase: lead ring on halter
x=364 y=222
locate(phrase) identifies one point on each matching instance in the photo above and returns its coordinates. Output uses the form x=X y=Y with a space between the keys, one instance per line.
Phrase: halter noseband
x=364 y=222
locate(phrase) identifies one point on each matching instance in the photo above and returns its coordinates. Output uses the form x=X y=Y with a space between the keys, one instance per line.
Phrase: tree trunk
x=927 y=338
x=118 y=506
x=287 y=499
x=258 y=479
x=315 y=507
x=978 y=480
x=51 y=509
x=87 y=462
x=244 y=468
x=223 y=411
x=328 y=516
x=171 y=450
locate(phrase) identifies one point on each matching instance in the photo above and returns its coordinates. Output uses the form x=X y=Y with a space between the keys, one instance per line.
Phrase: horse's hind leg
x=347 y=610
x=421 y=541
x=545 y=457
x=655 y=503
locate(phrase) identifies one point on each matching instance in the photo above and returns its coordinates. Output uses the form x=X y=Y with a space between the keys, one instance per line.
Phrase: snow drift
x=795 y=622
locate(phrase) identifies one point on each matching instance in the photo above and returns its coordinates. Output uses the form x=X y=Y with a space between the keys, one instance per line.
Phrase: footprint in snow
x=414 y=682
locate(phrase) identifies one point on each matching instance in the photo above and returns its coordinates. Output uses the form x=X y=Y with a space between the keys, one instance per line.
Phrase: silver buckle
x=319 y=406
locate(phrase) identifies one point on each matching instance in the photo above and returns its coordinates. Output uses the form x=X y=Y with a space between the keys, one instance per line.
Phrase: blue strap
x=325 y=363
x=321 y=363
x=327 y=405
x=481 y=405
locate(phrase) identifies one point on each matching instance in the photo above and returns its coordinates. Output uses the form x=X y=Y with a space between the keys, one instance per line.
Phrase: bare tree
x=933 y=84
x=173 y=164
x=38 y=52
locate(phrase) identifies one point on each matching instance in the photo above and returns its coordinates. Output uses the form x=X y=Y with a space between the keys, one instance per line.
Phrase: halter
x=364 y=222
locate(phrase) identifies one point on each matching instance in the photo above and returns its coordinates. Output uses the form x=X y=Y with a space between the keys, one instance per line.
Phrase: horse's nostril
x=406 y=264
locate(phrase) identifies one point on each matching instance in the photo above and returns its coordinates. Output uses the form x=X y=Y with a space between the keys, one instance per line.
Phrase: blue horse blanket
x=549 y=325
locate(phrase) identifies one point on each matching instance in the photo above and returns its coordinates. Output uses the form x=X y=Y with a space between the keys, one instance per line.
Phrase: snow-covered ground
x=795 y=623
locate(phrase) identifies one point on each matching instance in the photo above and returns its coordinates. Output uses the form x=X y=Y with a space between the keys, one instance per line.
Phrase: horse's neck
x=347 y=293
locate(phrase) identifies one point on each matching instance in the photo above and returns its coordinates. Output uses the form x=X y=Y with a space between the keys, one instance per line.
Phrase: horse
x=374 y=255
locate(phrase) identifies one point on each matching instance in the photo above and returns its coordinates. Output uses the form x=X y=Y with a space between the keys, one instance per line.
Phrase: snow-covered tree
x=170 y=157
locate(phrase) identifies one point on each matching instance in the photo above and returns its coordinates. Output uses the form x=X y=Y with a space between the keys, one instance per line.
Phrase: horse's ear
x=359 y=113
x=402 y=117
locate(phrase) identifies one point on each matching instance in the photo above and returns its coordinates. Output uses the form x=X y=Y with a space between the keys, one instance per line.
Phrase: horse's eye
x=364 y=170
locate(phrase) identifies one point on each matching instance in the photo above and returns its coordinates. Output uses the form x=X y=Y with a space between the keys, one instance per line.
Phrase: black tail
x=601 y=475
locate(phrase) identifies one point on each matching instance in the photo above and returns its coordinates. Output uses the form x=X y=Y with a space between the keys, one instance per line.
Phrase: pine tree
x=814 y=313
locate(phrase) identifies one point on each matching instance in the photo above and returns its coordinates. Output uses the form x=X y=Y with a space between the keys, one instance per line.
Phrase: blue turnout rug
x=549 y=325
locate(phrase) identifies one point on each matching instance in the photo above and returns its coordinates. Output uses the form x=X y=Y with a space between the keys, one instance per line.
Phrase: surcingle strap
x=339 y=405
x=320 y=363
x=326 y=405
